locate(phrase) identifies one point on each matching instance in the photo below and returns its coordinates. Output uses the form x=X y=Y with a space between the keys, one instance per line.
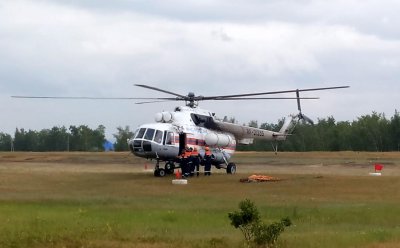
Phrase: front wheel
x=169 y=167
x=161 y=172
x=231 y=169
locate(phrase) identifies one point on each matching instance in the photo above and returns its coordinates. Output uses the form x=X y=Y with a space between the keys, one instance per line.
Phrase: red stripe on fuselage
x=201 y=143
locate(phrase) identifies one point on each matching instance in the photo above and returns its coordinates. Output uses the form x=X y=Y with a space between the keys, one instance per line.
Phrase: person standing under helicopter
x=195 y=162
x=182 y=161
x=185 y=156
x=187 y=162
x=207 y=162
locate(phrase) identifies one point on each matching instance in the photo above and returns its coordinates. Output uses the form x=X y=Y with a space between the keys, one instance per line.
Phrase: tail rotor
x=301 y=115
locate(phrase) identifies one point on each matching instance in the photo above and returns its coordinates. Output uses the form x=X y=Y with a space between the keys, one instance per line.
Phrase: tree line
x=373 y=132
x=75 y=138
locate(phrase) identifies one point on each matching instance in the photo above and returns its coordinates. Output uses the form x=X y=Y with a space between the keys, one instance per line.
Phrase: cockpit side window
x=149 y=134
x=169 y=138
x=140 y=134
x=158 y=136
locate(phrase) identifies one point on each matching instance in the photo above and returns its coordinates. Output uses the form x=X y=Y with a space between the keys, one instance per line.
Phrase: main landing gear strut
x=168 y=169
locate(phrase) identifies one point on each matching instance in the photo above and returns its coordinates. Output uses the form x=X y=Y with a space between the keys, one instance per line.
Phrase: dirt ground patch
x=113 y=200
x=324 y=163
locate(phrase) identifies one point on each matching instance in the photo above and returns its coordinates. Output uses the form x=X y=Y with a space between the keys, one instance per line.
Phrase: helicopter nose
x=140 y=147
x=137 y=146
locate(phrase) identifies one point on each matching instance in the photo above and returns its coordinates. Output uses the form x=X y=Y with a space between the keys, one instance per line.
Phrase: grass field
x=109 y=200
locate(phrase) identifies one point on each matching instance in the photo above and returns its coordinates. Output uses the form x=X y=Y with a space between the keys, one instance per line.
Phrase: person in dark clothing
x=188 y=159
x=196 y=161
x=184 y=156
x=207 y=162
x=191 y=162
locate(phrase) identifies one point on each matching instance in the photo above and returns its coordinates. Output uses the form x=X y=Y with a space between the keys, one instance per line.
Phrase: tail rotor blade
x=307 y=119
x=298 y=100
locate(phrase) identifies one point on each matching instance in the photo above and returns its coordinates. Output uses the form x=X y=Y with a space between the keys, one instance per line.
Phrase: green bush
x=267 y=235
x=245 y=219
x=253 y=229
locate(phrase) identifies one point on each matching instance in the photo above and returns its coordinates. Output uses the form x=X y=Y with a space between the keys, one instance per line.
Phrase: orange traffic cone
x=178 y=174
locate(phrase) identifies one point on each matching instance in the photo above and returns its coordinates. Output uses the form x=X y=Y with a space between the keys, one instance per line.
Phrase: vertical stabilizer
x=289 y=124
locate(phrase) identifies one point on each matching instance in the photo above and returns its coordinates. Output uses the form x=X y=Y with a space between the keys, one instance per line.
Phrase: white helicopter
x=191 y=126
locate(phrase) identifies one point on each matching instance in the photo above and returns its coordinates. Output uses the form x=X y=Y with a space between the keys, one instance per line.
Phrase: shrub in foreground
x=247 y=219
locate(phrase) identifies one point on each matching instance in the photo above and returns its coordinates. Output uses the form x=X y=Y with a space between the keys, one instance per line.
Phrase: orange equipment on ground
x=259 y=178
x=178 y=174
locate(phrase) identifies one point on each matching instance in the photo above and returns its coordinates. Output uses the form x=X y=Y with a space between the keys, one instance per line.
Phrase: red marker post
x=378 y=167
x=178 y=174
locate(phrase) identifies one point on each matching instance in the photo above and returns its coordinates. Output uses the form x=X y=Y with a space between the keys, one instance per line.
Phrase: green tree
x=5 y=142
x=26 y=140
x=54 y=139
x=229 y=119
x=369 y=133
x=121 y=137
x=98 y=138
x=253 y=123
x=394 y=131
x=83 y=138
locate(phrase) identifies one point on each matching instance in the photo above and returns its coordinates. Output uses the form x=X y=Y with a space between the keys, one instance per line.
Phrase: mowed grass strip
x=66 y=208
x=91 y=224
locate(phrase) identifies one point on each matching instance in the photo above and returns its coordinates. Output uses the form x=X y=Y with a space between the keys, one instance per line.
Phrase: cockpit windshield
x=149 y=134
x=140 y=134
x=153 y=135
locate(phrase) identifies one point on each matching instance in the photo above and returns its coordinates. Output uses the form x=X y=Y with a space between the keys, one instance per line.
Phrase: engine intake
x=218 y=139
x=164 y=117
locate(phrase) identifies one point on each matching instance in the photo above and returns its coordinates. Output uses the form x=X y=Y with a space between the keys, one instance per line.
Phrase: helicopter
x=192 y=127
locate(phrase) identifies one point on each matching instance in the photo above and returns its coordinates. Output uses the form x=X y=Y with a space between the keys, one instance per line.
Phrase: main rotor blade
x=96 y=98
x=264 y=98
x=157 y=89
x=150 y=102
x=273 y=92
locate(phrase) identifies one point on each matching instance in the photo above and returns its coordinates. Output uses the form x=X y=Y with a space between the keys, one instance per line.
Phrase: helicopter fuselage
x=190 y=126
x=174 y=131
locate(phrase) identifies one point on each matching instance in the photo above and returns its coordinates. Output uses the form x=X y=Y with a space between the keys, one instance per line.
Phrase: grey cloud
x=100 y=48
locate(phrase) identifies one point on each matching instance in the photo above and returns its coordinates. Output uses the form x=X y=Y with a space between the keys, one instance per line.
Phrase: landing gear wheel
x=169 y=167
x=161 y=172
x=231 y=169
x=157 y=172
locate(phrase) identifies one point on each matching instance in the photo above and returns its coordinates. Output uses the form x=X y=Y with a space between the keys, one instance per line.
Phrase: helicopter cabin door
x=182 y=141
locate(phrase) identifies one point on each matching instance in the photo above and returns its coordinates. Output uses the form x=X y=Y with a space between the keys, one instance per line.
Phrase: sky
x=102 y=48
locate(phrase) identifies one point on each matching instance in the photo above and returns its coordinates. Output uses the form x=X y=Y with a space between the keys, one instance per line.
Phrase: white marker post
x=378 y=167
x=178 y=179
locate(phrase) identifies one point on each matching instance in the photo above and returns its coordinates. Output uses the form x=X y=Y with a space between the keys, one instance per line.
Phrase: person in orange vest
x=186 y=163
x=207 y=162
x=183 y=162
x=195 y=162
